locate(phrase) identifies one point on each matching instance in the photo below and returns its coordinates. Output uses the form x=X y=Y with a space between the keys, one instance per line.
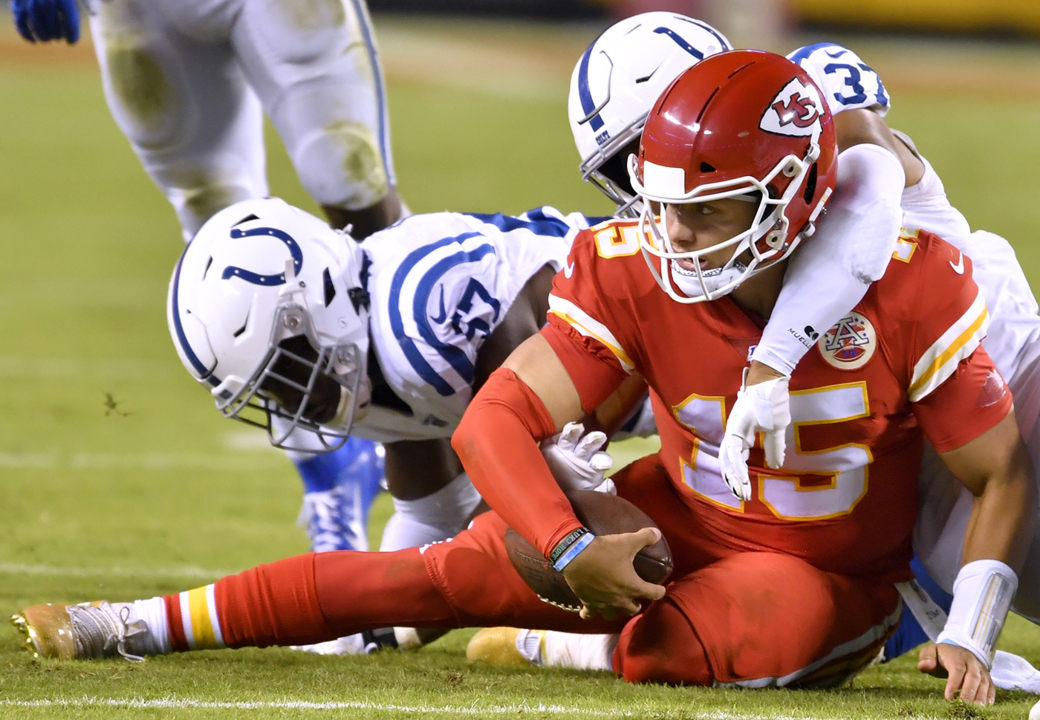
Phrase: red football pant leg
x=475 y=576
x=273 y=604
x=759 y=619
x=466 y=581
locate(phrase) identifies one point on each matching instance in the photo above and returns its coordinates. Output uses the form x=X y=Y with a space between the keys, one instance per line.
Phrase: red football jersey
x=905 y=364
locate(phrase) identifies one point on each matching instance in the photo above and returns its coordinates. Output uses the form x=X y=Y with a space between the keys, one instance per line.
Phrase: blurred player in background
x=787 y=588
x=188 y=83
x=613 y=88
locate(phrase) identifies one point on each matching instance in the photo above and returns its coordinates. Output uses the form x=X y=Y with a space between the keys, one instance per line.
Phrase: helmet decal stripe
x=204 y=372
x=588 y=105
x=256 y=278
x=680 y=42
x=708 y=29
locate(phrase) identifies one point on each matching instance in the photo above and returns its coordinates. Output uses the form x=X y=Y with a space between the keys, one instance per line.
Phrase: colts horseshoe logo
x=256 y=278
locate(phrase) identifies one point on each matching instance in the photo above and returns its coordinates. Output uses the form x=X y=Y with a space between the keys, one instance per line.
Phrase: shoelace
x=327 y=528
x=101 y=628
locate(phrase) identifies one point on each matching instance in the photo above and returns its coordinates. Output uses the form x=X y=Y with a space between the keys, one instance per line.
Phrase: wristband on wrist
x=569 y=548
x=982 y=595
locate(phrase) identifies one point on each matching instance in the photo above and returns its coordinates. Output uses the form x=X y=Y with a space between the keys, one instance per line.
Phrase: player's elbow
x=465 y=439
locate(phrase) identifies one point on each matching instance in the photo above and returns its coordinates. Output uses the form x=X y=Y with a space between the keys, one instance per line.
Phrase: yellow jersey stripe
x=940 y=361
x=589 y=327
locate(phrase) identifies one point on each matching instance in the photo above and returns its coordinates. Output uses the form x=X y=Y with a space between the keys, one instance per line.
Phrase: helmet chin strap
x=352 y=406
x=708 y=284
x=344 y=411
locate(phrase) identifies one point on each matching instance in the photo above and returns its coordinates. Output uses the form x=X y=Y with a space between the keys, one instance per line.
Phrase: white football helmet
x=616 y=83
x=267 y=305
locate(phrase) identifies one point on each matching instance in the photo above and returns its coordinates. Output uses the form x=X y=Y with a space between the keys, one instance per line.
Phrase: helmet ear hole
x=328 y=287
x=810 y=184
x=615 y=168
x=707 y=167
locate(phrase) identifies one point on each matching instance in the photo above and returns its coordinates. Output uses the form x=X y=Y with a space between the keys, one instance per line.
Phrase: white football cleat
x=348 y=645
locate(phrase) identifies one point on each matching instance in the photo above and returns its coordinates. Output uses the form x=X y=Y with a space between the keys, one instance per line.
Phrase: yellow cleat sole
x=47 y=630
x=496 y=646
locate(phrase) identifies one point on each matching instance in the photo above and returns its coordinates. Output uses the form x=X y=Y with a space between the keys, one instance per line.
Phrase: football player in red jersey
x=742 y=165
x=792 y=586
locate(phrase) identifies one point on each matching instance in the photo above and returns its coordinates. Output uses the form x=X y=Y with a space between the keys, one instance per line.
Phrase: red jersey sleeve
x=587 y=319
x=969 y=403
x=956 y=391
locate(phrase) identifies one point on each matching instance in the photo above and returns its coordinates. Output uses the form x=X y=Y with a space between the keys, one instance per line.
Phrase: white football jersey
x=847 y=82
x=439 y=285
x=1012 y=340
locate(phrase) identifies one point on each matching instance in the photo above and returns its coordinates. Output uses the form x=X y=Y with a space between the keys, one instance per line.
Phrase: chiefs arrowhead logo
x=799 y=110
x=795 y=111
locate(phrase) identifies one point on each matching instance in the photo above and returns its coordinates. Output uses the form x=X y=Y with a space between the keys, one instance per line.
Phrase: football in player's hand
x=603 y=514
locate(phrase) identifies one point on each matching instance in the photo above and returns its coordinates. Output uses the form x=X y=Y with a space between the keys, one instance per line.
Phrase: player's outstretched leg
x=468 y=581
x=339 y=488
x=304 y=599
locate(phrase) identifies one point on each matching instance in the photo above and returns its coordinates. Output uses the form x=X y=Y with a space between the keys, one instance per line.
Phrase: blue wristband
x=572 y=550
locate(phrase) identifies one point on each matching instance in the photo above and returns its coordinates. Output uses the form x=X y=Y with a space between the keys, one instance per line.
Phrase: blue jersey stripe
x=802 y=53
x=539 y=223
x=455 y=356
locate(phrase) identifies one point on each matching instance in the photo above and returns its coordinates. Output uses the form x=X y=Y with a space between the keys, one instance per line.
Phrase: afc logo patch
x=850 y=343
x=795 y=111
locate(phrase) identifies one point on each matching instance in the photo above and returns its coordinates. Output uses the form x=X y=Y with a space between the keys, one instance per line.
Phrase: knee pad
x=433 y=518
x=342 y=166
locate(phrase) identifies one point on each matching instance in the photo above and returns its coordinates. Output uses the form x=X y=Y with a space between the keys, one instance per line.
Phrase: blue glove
x=45 y=20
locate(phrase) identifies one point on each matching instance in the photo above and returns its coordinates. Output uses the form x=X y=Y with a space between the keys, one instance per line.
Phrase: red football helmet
x=745 y=124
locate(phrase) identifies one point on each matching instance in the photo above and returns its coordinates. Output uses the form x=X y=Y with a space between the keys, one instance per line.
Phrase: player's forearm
x=1003 y=516
x=497 y=441
x=996 y=469
x=860 y=126
x=851 y=248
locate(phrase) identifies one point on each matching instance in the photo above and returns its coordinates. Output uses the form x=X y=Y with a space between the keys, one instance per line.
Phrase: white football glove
x=577 y=462
x=764 y=408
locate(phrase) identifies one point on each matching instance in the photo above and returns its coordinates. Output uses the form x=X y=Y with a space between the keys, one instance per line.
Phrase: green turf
x=120 y=480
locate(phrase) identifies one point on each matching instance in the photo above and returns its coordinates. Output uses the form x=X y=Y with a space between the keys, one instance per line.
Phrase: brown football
x=603 y=514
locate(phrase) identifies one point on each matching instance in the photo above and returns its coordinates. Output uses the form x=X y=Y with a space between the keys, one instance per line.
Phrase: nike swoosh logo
x=959 y=267
x=568 y=270
x=443 y=313
x=835 y=55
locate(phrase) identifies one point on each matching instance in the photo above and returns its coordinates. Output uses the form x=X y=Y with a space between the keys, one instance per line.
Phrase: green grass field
x=120 y=481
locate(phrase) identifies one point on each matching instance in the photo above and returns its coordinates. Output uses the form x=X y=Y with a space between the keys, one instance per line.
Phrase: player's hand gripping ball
x=603 y=514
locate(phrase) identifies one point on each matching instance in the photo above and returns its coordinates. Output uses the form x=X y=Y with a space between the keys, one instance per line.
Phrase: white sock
x=153 y=613
x=433 y=518
x=582 y=652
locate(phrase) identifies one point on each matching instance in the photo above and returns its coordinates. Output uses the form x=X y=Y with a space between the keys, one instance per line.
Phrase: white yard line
x=175 y=703
x=164 y=703
x=185 y=571
x=246 y=462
